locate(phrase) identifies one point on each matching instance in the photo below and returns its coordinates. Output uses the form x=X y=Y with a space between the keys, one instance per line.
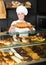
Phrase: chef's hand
x=11 y=30
x=32 y=29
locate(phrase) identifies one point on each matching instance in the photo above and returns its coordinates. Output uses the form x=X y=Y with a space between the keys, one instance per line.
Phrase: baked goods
x=37 y=38
x=0 y=54
x=34 y=56
x=23 y=25
x=5 y=42
x=5 y=58
x=16 y=54
x=4 y=53
x=4 y=63
x=27 y=49
x=15 y=39
x=15 y=3
x=10 y=52
x=28 y=4
x=10 y=62
x=25 y=41
x=1 y=58
x=2 y=10
x=17 y=60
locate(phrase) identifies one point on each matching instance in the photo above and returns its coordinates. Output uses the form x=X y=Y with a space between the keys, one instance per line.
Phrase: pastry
x=4 y=53
x=28 y=3
x=25 y=41
x=4 y=63
x=2 y=41
x=16 y=54
x=0 y=54
x=35 y=56
x=5 y=42
x=15 y=3
x=5 y=58
x=41 y=39
x=16 y=59
x=27 y=49
x=2 y=10
x=1 y=58
x=22 y=25
x=31 y=53
x=10 y=62
x=37 y=38
x=15 y=39
x=10 y=52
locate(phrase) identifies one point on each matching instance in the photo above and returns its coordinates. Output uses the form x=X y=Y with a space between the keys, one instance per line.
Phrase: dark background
x=41 y=7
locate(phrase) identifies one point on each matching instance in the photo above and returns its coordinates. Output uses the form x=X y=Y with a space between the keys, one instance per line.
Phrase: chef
x=21 y=13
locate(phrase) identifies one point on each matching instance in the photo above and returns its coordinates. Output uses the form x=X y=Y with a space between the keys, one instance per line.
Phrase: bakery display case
x=22 y=50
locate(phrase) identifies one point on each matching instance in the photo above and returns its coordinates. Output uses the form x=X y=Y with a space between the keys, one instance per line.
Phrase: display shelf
x=20 y=44
x=31 y=33
x=15 y=4
x=11 y=34
x=15 y=7
x=32 y=62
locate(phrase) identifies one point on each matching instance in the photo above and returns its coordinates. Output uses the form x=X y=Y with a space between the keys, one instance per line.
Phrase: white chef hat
x=22 y=9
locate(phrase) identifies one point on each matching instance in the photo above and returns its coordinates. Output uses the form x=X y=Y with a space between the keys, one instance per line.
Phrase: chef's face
x=21 y=16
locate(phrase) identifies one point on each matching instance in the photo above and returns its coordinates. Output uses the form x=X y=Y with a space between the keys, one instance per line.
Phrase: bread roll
x=0 y=54
x=2 y=10
x=15 y=39
x=10 y=62
x=27 y=49
x=10 y=52
x=4 y=63
x=35 y=56
x=5 y=58
x=1 y=58
x=16 y=59
x=5 y=42
x=2 y=41
x=16 y=54
x=4 y=53
x=28 y=3
x=22 y=25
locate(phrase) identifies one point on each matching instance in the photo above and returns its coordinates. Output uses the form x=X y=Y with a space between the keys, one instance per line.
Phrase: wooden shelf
x=9 y=5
